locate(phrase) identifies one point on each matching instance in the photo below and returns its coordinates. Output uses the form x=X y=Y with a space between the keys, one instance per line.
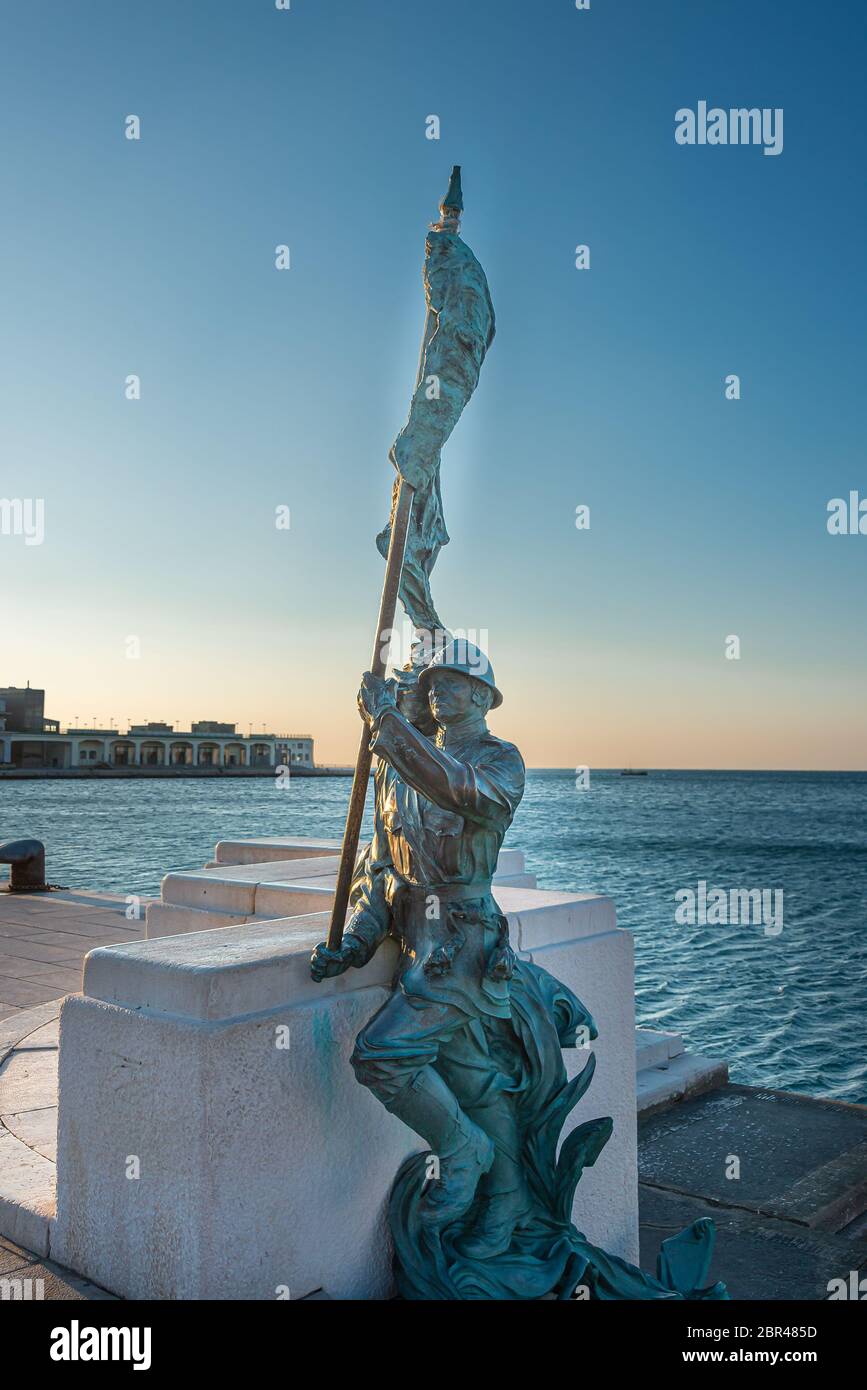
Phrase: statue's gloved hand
x=375 y=696
x=324 y=963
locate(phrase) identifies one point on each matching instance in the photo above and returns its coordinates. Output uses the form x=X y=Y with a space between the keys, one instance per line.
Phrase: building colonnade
x=139 y=750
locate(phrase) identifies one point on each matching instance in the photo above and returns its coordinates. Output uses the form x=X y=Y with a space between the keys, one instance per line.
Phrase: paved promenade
x=44 y=938
x=43 y=941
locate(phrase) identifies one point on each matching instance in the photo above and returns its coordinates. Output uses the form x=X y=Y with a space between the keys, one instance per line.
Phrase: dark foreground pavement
x=783 y=1176
x=27 y=1277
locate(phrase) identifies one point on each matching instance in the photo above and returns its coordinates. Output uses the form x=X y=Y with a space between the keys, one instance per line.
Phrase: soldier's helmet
x=465 y=657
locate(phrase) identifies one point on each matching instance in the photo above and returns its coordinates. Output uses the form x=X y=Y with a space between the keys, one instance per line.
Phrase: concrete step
x=231 y=895
x=171 y=919
x=264 y=848
x=665 y=1073
x=270 y=849
x=655 y=1049
x=232 y=888
x=683 y=1077
x=315 y=894
x=203 y=905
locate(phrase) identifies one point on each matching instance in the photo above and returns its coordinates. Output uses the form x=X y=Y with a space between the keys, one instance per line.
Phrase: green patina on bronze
x=467 y=1050
x=458 y=332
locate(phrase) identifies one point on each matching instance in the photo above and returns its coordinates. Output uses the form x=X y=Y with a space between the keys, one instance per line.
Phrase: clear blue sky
x=603 y=387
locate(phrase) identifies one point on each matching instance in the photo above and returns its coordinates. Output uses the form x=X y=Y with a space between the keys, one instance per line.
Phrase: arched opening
x=260 y=755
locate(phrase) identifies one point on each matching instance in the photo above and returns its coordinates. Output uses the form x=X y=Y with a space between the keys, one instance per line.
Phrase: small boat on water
x=634 y=772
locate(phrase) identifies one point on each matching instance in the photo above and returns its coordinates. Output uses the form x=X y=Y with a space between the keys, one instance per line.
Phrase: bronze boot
x=503 y=1201
x=464 y=1151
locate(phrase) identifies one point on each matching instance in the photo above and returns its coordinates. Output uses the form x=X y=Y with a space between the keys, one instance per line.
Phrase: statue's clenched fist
x=324 y=963
x=375 y=696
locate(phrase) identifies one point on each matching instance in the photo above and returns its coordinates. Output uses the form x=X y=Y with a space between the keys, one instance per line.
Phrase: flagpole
x=358 y=795
x=450 y=210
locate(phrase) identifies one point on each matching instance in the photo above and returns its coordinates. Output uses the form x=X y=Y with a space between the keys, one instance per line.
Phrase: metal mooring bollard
x=27 y=858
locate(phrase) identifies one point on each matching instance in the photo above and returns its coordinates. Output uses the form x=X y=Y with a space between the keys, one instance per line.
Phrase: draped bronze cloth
x=462 y=330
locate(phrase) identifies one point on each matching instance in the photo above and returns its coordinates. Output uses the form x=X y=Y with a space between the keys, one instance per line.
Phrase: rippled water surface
x=785 y=1010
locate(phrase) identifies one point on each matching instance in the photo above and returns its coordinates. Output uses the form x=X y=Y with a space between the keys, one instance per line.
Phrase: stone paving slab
x=35 y=1128
x=74 y=944
x=28 y=1125
x=32 y=929
x=48 y=1034
x=27 y=1195
x=41 y=952
x=22 y=968
x=27 y=1077
x=75 y=897
x=28 y=1090
x=28 y=1277
x=800 y=1159
x=13 y=1257
x=22 y=993
x=58 y=979
x=105 y=928
x=12 y=1030
x=44 y=938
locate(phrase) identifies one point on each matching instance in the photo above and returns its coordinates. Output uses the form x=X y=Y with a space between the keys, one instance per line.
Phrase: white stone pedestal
x=200 y=1156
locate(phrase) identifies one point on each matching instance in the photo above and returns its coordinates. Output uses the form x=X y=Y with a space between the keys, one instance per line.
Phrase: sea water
x=783 y=1001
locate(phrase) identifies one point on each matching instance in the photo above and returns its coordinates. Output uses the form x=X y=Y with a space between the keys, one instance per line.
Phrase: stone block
x=265 y=1166
x=260 y=850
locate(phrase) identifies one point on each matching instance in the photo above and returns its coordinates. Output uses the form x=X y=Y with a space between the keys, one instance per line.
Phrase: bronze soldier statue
x=442 y=810
x=467 y=1049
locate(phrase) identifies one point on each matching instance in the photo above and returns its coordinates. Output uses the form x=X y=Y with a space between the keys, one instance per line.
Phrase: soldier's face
x=450 y=695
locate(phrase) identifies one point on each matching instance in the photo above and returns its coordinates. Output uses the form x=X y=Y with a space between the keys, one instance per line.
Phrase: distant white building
x=37 y=742
x=297 y=750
